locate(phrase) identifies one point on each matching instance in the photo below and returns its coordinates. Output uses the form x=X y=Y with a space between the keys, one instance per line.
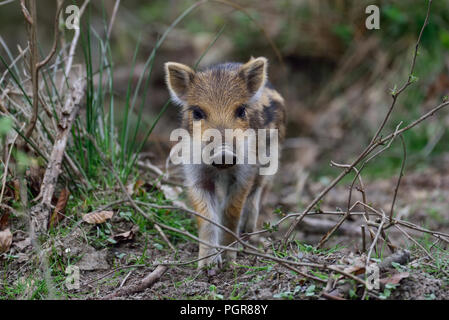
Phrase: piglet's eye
x=197 y=113
x=240 y=112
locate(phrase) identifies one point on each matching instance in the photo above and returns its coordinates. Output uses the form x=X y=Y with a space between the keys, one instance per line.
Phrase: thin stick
x=6 y=2
x=196 y=214
x=401 y=173
x=56 y=36
x=126 y=278
x=267 y=256
x=363 y=239
x=339 y=223
x=31 y=17
x=25 y=12
x=147 y=282
x=68 y=66
x=111 y=272
x=371 y=146
x=415 y=242
x=114 y=14
x=163 y=235
x=373 y=244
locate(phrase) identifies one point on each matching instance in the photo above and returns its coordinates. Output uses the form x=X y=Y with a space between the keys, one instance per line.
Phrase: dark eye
x=197 y=113
x=241 y=112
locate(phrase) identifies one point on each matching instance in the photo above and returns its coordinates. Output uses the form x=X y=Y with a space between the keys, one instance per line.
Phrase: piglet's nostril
x=225 y=163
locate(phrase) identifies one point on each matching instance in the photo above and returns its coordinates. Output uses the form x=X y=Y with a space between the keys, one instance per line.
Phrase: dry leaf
x=357 y=264
x=4 y=221
x=21 y=245
x=5 y=240
x=138 y=186
x=22 y=257
x=355 y=269
x=126 y=236
x=58 y=213
x=98 y=217
x=394 y=279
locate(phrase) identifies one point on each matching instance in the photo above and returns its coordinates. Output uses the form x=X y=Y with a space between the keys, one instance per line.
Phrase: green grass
x=28 y=288
x=439 y=266
x=117 y=139
x=311 y=249
x=119 y=146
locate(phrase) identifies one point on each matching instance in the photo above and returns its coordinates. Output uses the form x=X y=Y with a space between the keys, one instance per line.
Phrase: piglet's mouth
x=223 y=158
x=223 y=166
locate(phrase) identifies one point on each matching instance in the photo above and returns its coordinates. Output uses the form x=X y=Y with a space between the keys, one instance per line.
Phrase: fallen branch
x=146 y=283
x=40 y=213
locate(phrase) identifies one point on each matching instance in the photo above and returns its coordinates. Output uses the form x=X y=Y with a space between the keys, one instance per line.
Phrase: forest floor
x=107 y=265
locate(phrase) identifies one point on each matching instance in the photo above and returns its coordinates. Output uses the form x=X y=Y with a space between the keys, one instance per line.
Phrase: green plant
x=213 y=293
x=310 y=291
x=389 y=287
x=289 y=295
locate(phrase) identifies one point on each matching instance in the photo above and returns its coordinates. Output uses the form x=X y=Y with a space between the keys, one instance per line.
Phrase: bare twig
x=126 y=278
x=31 y=18
x=375 y=142
x=415 y=242
x=147 y=282
x=373 y=244
x=6 y=2
x=25 y=12
x=73 y=45
x=401 y=173
x=112 y=272
x=332 y=231
x=363 y=239
x=56 y=36
x=111 y=22
x=163 y=235
x=40 y=212
x=35 y=65
x=437 y=234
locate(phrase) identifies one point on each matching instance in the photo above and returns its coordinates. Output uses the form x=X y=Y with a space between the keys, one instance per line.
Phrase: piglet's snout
x=223 y=157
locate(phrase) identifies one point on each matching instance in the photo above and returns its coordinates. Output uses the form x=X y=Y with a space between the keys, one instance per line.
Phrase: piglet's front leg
x=207 y=231
x=231 y=217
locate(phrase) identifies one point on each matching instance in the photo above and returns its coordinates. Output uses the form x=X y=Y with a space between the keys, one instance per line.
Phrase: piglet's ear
x=255 y=74
x=179 y=77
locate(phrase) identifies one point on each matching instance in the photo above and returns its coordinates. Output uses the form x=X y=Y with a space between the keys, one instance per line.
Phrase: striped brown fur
x=226 y=96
